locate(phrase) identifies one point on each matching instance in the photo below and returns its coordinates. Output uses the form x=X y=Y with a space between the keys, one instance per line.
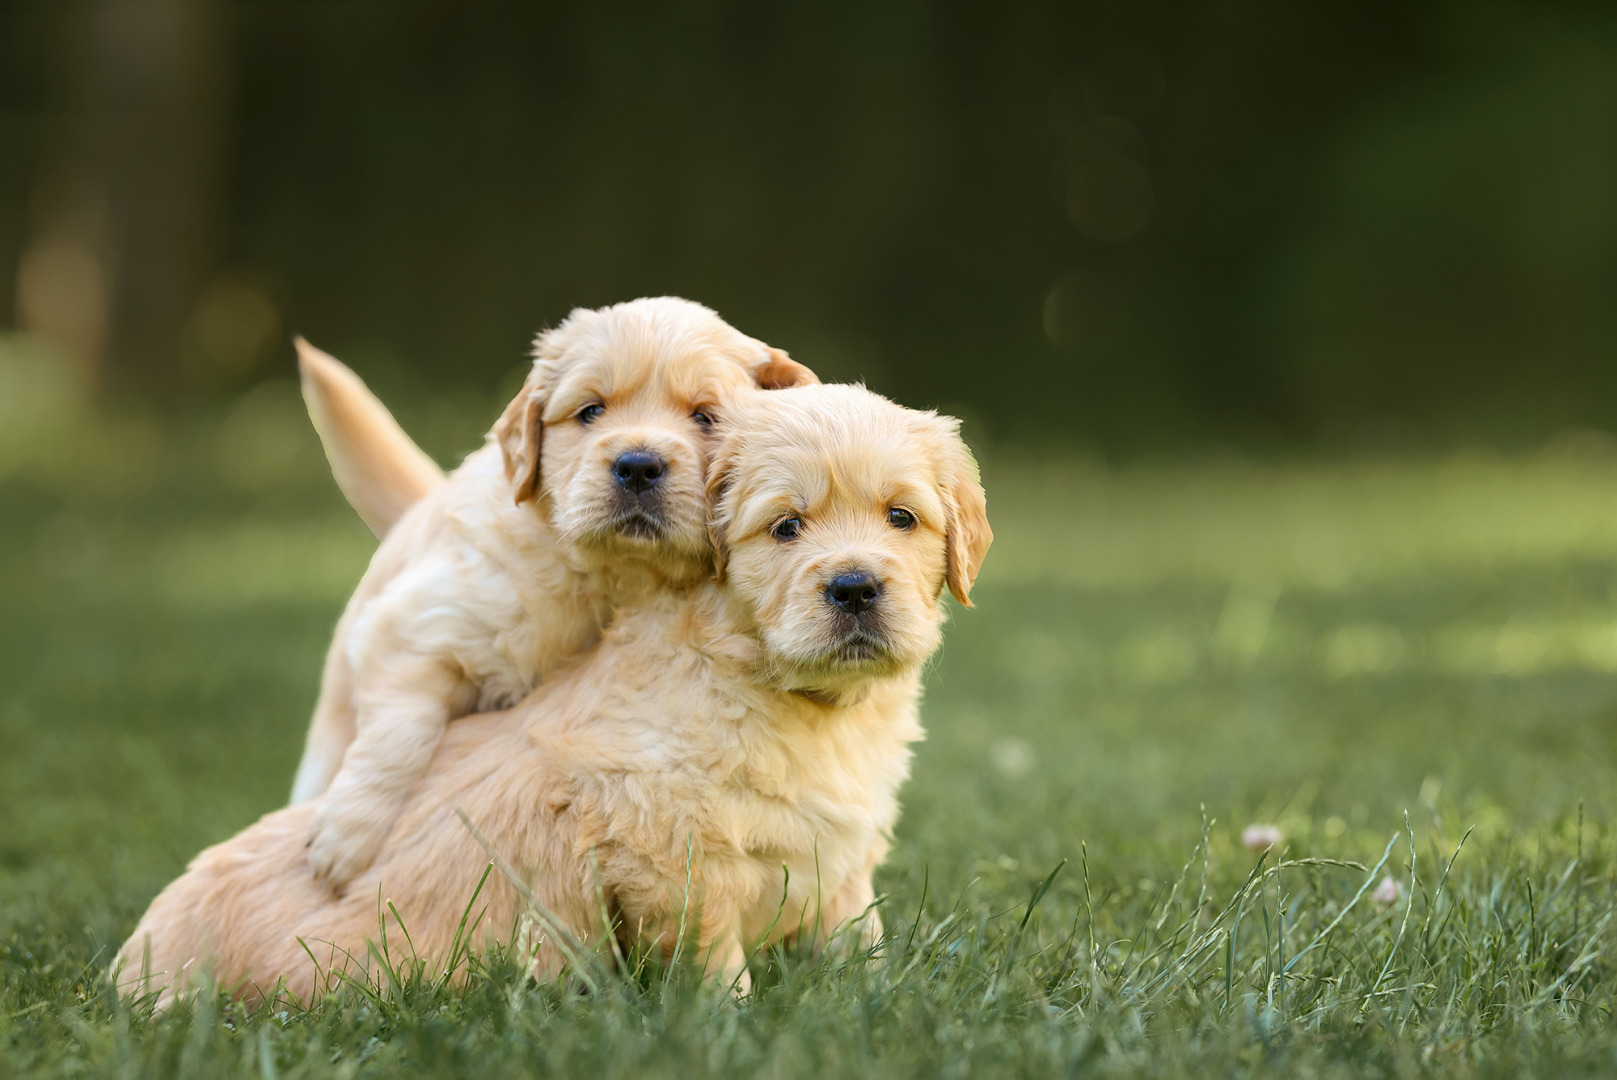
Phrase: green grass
x=1381 y=658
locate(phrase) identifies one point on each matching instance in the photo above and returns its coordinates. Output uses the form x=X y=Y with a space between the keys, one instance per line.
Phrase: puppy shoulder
x=459 y=546
x=429 y=524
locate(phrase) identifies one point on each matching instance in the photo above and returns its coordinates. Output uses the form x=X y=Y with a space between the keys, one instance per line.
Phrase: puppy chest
x=528 y=646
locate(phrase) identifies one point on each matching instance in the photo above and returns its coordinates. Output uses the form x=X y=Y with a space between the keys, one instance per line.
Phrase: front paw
x=870 y=930
x=740 y=984
x=861 y=935
x=343 y=842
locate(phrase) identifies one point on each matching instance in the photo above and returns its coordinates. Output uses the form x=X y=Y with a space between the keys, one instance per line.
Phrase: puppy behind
x=589 y=494
x=670 y=774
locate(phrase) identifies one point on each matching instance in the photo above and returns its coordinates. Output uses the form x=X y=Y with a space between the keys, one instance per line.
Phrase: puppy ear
x=519 y=431
x=966 y=531
x=718 y=509
x=777 y=371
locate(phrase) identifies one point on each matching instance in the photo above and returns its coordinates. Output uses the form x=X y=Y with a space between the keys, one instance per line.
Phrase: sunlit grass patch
x=1466 y=956
x=1317 y=649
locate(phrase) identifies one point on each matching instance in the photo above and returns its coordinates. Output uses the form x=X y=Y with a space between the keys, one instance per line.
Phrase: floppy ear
x=718 y=512
x=519 y=431
x=777 y=371
x=966 y=531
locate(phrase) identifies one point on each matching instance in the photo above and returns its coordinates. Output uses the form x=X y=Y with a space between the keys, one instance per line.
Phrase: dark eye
x=900 y=519
x=786 y=528
x=702 y=417
x=591 y=413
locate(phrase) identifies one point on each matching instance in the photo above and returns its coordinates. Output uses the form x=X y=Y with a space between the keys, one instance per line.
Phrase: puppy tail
x=380 y=471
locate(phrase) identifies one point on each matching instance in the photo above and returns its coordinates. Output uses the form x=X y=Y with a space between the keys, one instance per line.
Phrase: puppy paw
x=343 y=842
x=870 y=930
x=741 y=985
x=849 y=939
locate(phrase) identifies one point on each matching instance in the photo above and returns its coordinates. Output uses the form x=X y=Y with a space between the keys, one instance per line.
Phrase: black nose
x=853 y=592
x=639 y=470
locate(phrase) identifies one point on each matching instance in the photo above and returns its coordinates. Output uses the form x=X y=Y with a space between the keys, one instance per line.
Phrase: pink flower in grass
x=1262 y=837
x=1388 y=891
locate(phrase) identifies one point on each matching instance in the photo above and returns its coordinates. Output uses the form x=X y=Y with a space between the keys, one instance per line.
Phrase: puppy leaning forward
x=742 y=726
x=515 y=561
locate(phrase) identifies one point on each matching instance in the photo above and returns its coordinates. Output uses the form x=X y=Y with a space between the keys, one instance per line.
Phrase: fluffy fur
x=518 y=559
x=379 y=469
x=724 y=732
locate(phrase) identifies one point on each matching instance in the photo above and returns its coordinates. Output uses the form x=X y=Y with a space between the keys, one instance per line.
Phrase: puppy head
x=612 y=432
x=838 y=520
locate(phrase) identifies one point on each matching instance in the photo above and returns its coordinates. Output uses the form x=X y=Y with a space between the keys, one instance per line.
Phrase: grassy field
x=1406 y=667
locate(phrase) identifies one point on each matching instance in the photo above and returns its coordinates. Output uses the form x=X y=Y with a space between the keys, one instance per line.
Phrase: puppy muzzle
x=856 y=616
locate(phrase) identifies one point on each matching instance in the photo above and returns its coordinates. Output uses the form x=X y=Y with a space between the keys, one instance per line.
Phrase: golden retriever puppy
x=726 y=761
x=588 y=495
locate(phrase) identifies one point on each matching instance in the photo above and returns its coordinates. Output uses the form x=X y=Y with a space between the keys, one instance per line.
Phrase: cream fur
x=519 y=558
x=380 y=470
x=723 y=731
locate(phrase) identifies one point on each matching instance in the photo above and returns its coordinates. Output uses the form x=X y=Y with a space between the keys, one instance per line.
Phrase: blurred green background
x=1134 y=227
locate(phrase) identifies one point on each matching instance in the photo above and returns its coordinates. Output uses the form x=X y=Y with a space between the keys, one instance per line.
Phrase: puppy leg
x=330 y=734
x=403 y=719
x=851 y=924
x=332 y=728
x=229 y=921
x=725 y=959
x=848 y=922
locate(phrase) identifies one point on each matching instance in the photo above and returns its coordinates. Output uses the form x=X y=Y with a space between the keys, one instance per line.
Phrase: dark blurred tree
x=1127 y=224
x=122 y=216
